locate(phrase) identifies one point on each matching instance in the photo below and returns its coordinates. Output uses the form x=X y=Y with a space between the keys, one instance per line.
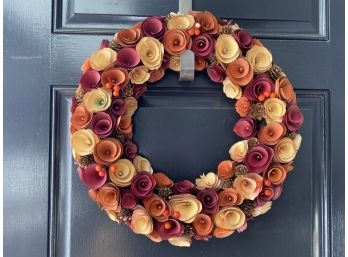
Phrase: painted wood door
x=184 y=128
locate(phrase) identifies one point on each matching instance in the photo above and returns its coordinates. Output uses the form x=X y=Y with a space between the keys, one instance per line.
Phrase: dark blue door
x=47 y=211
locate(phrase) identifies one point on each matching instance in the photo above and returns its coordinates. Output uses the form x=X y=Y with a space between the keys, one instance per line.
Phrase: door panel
x=184 y=128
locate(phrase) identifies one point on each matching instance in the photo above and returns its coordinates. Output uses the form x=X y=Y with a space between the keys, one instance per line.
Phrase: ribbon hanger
x=187 y=58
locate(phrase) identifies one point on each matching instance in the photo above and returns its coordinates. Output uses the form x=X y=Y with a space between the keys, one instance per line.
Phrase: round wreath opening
x=124 y=184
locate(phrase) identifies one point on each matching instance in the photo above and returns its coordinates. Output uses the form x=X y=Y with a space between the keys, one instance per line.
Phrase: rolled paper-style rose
x=203 y=45
x=125 y=125
x=208 y=22
x=142 y=164
x=115 y=77
x=221 y=232
x=91 y=177
x=104 y=43
x=277 y=191
x=240 y=71
x=209 y=200
x=165 y=61
x=139 y=75
x=230 y=218
x=239 y=150
x=180 y=241
x=293 y=118
x=162 y=180
x=185 y=207
x=261 y=209
x=246 y=127
x=141 y=221
x=155 y=236
x=243 y=227
x=248 y=186
x=103 y=59
x=86 y=65
x=175 y=63
x=262 y=85
x=118 y=107
x=142 y=185
x=226 y=169
x=156 y=75
x=109 y=198
x=90 y=80
x=285 y=151
x=151 y=52
x=176 y=41
x=157 y=208
x=271 y=133
x=81 y=117
x=216 y=73
x=258 y=158
x=127 y=58
x=139 y=90
x=243 y=106
x=83 y=141
x=226 y=49
x=128 y=37
x=121 y=172
x=265 y=195
x=203 y=224
x=153 y=27
x=170 y=228
x=128 y=199
x=210 y=180
x=260 y=58
x=200 y=64
x=275 y=109
x=130 y=150
x=103 y=124
x=74 y=104
x=285 y=90
x=231 y=90
x=107 y=151
x=183 y=187
x=297 y=140
x=230 y=197
x=181 y=21
x=243 y=38
x=97 y=100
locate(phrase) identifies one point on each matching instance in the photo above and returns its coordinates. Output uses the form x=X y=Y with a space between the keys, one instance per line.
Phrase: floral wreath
x=123 y=183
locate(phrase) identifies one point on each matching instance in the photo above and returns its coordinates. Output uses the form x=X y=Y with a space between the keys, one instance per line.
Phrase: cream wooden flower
x=131 y=104
x=230 y=218
x=97 y=100
x=121 y=172
x=151 y=52
x=285 y=151
x=231 y=90
x=103 y=58
x=141 y=222
x=239 y=150
x=297 y=141
x=248 y=186
x=174 y=63
x=262 y=209
x=210 y=180
x=139 y=75
x=187 y=206
x=83 y=142
x=181 y=241
x=180 y=21
x=142 y=164
x=226 y=49
x=275 y=109
x=260 y=58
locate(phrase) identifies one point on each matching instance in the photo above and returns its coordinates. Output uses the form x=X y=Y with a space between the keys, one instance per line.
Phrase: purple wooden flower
x=143 y=184
x=209 y=200
x=118 y=107
x=170 y=228
x=258 y=86
x=216 y=73
x=243 y=38
x=203 y=45
x=128 y=199
x=183 y=187
x=246 y=127
x=258 y=158
x=130 y=150
x=293 y=118
x=91 y=177
x=153 y=27
x=90 y=80
x=102 y=124
x=139 y=90
x=128 y=58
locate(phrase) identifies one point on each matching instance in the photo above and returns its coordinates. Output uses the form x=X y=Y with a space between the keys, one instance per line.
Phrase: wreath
x=123 y=183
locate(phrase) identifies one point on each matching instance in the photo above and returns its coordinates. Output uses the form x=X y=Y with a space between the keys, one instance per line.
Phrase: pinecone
x=125 y=214
x=189 y=231
x=226 y=183
x=86 y=160
x=127 y=91
x=213 y=59
x=292 y=135
x=115 y=46
x=241 y=170
x=257 y=111
x=247 y=207
x=252 y=142
x=275 y=72
x=120 y=137
x=229 y=29
x=165 y=192
x=79 y=94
